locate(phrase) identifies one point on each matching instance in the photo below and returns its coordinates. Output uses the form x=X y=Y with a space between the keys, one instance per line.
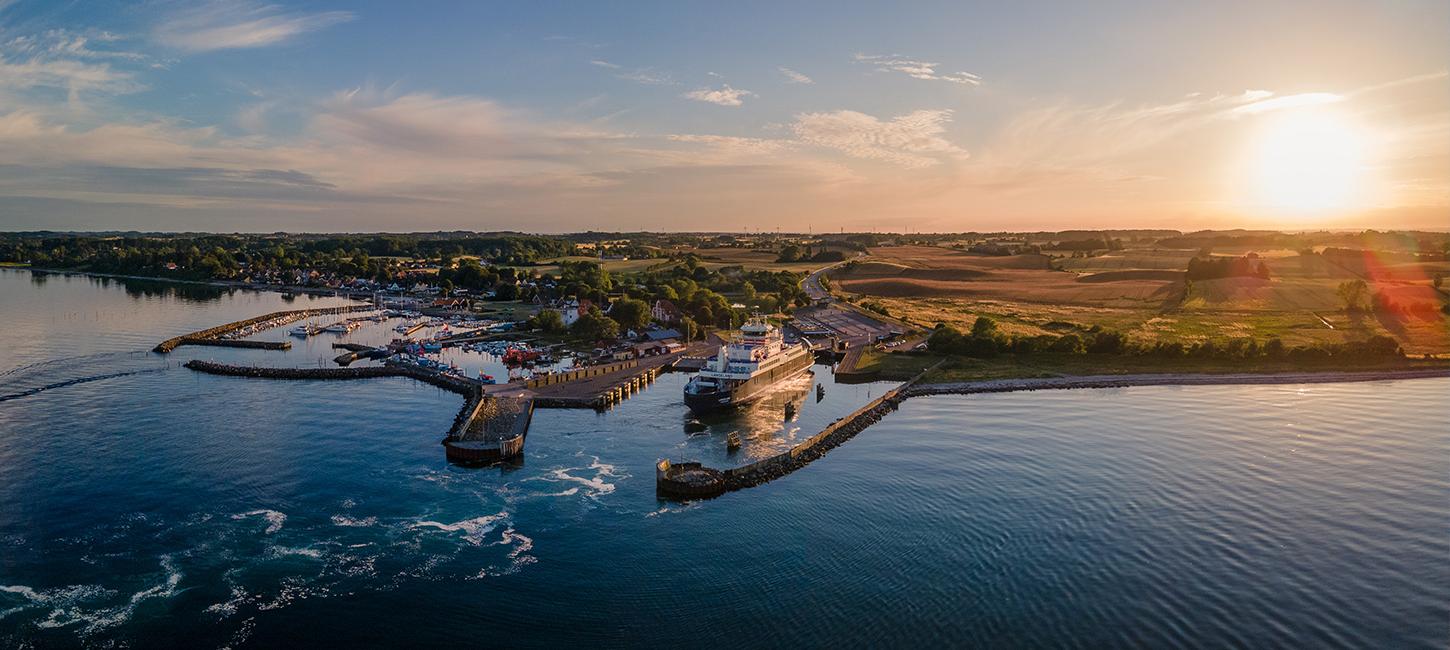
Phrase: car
x=920 y=346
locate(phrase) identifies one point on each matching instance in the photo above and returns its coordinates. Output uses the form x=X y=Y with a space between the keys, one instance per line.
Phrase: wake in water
x=34 y=378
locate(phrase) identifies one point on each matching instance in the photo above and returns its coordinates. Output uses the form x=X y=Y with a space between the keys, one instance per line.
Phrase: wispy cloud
x=722 y=96
x=916 y=68
x=794 y=77
x=226 y=25
x=645 y=76
x=910 y=140
x=1288 y=101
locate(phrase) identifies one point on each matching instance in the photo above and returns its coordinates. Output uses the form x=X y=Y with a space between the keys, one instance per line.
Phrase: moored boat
x=746 y=368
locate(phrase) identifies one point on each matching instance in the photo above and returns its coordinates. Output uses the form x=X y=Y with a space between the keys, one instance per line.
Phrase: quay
x=216 y=336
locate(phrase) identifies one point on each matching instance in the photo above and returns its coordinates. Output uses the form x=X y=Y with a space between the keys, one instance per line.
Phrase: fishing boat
x=746 y=368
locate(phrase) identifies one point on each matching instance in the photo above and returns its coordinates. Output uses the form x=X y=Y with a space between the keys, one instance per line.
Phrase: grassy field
x=1141 y=293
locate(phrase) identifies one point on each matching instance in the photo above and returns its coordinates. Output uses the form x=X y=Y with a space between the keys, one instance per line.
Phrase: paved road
x=847 y=324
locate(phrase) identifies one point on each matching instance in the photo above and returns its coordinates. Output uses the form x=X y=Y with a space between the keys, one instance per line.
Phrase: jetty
x=493 y=430
x=693 y=480
x=220 y=335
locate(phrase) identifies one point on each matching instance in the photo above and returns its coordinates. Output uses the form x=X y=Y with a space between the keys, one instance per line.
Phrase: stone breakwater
x=486 y=429
x=1125 y=381
x=214 y=335
x=686 y=480
x=460 y=386
x=693 y=480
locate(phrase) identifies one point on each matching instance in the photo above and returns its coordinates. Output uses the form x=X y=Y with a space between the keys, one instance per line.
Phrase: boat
x=732 y=441
x=338 y=328
x=485 y=378
x=432 y=346
x=302 y=331
x=746 y=368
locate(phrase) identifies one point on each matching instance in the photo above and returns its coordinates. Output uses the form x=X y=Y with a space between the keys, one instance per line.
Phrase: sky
x=237 y=116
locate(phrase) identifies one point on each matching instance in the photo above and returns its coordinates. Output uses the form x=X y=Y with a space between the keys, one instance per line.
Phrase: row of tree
x=986 y=340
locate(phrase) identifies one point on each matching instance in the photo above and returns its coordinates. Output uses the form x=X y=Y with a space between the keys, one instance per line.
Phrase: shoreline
x=226 y=284
x=1168 y=379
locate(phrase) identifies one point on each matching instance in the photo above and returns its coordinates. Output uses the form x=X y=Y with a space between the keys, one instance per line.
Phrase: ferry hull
x=750 y=390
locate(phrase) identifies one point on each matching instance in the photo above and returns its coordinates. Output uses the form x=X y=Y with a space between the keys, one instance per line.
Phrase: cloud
x=645 y=76
x=1288 y=101
x=917 y=69
x=70 y=75
x=794 y=77
x=225 y=25
x=722 y=96
x=912 y=140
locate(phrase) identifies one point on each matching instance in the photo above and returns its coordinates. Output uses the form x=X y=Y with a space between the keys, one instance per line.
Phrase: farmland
x=1144 y=293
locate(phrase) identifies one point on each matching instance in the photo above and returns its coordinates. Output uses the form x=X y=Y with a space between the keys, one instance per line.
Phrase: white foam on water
x=281 y=551
x=669 y=509
x=351 y=522
x=473 y=529
x=104 y=618
x=274 y=519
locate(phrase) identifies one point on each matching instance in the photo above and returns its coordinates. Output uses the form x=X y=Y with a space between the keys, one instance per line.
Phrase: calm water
x=142 y=504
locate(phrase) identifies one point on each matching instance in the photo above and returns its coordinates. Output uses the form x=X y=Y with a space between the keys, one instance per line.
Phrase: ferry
x=746 y=368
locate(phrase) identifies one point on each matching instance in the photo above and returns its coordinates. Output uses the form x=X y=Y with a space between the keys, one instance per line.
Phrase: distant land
x=969 y=306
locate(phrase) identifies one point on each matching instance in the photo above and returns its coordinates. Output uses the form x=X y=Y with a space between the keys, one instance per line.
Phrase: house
x=662 y=335
x=665 y=311
x=573 y=309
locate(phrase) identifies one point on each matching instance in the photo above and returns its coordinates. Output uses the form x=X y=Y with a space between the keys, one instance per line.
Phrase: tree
x=791 y=253
x=1352 y=292
x=1068 y=344
x=595 y=326
x=446 y=287
x=631 y=314
x=984 y=327
x=506 y=291
x=944 y=340
x=689 y=329
x=547 y=320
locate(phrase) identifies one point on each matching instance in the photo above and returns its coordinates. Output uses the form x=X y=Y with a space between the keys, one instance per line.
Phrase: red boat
x=516 y=356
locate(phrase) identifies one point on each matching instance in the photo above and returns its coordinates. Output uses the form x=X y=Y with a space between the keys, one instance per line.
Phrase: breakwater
x=460 y=386
x=693 y=480
x=489 y=430
x=1169 y=379
x=486 y=429
x=214 y=335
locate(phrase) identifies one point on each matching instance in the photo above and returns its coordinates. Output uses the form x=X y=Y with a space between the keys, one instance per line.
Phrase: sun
x=1309 y=161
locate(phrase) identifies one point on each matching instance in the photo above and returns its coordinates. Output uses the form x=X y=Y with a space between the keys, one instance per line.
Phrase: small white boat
x=302 y=331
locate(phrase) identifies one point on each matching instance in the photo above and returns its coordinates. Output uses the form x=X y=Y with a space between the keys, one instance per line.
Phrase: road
x=828 y=313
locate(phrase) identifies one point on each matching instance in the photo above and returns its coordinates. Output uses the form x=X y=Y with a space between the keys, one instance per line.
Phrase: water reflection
x=766 y=426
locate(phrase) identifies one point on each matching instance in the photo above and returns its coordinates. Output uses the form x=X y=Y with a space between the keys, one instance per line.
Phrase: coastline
x=228 y=284
x=1168 y=379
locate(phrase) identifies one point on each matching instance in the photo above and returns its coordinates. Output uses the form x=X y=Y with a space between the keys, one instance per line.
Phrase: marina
x=333 y=498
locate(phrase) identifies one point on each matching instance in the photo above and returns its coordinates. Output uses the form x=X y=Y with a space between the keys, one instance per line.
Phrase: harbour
x=336 y=504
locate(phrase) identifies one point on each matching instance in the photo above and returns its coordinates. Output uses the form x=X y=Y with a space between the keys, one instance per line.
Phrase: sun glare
x=1309 y=161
